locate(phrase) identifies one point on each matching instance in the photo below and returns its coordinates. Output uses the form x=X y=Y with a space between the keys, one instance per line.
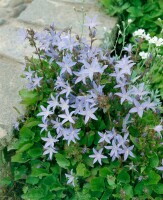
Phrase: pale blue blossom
x=88 y=113
x=125 y=95
x=57 y=125
x=104 y=137
x=72 y=134
x=97 y=156
x=53 y=103
x=44 y=125
x=66 y=89
x=45 y=112
x=139 y=108
x=36 y=81
x=49 y=140
x=66 y=64
x=49 y=150
x=64 y=104
x=29 y=74
x=127 y=151
x=91 y=22
x=160 y=168
x=115 y=150
x=71 y=178
x=67 y=117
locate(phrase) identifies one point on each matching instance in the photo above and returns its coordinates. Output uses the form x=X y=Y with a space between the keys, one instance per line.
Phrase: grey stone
x=2 y=21
x=3 y=132
x=14 y=3
x=78 y=1
x=17 y=10
x=4 y=12
x=11 y=44
x=63 y=15
x=10 y=84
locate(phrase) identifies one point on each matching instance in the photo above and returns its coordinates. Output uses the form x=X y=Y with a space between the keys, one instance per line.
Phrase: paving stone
x=63 y=15
x=17 y=10
x=11 y=44
x=14 y=3
x=78 y=1
x=2 y=21
x=10 y=84
x=3 y=132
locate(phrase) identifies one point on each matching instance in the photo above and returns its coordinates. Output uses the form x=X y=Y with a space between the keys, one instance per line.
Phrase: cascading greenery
x=92 y=129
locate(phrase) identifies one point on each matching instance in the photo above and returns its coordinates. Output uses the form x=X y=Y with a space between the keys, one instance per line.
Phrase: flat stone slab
x=63 y=15
x=10 y=84
x=11 y=44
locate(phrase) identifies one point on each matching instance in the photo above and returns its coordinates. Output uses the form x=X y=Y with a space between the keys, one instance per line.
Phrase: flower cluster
x=78 y=92
x=152 y=40
x=85 y=84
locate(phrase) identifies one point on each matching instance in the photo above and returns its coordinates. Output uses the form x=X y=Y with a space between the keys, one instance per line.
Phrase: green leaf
x=90 y=138
x=52 y=182
x=82 y=171
x=28 y=97
x=34 y=194
x=123 y=177
x=62 y=161
x=135 y=12
x=159 y=188
x=20 y=172
x=5 y=181
x=26 y=134
x=111 y=181
x=35 y=152
x=153 y=178
x=97 y=184
x=39 y=172
x=106 y=195
x=19 y=158
x=103 y=172
x=129 y=191
x=154 y=160
x=25 y=147
x=32 y=180
x=31 y=123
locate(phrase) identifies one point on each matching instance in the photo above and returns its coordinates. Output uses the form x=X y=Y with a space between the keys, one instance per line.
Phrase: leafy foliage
x=108 y=148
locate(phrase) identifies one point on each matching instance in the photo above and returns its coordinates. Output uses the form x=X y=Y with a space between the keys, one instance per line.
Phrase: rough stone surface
x=55 y=12
x=17 y=10
x=10 y=84
x=2 y=21
x=3 y=132
x=78 y=1
x=37 y=14
x=11 y=44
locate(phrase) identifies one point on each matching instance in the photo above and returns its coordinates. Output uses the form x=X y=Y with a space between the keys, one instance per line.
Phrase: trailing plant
x=134 y=15
x=143 y=13
x=92 y=129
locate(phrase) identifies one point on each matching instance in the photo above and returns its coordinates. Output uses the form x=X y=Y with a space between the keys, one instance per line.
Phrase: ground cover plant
x=92 y=129
x=146 y=15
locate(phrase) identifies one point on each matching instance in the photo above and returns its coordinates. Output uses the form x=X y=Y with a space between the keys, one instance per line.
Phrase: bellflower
x=67 y=117
x=97 y=156
x=139 y=108
x=45 y=112
x=66 y=64
x=88 y=113
x=91 y=22
x=49 y=140
x=44 y=125
x=72 y=134
x=104 y=137
x=49 y=150
x=53 y=103
x=71 y=178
